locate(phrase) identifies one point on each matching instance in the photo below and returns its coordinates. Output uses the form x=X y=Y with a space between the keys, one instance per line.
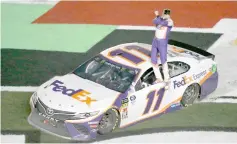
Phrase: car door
x=145 y=101
x=149 y=100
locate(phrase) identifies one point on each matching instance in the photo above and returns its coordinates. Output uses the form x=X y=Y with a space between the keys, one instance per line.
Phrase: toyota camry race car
x=116 y=89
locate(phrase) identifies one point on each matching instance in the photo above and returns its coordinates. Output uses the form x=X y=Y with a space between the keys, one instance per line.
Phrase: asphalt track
x=33 y=67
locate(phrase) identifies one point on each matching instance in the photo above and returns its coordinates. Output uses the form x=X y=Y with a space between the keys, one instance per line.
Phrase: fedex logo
x=80 y=94
x=185 y=80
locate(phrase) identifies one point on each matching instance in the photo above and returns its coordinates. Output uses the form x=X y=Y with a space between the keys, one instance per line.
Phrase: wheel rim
x=106 y=121
x=190 y=94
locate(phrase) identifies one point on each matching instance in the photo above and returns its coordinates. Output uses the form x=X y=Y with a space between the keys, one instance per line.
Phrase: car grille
x=57 y=114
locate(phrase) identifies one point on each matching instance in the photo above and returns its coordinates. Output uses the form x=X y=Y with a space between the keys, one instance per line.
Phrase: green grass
x=18 y=32
x=15 y=109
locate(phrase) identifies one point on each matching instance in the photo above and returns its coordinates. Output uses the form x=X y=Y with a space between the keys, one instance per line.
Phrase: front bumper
x=72 y=131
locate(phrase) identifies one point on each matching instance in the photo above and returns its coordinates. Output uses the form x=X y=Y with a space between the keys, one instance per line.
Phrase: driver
x=159 y=45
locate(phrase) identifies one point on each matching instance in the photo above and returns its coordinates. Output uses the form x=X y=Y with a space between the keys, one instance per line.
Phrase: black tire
x=109 y=122
x=190 y=95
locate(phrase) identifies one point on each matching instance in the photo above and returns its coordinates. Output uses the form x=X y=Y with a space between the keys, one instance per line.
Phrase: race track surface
x=202 y=14
x=41 y=41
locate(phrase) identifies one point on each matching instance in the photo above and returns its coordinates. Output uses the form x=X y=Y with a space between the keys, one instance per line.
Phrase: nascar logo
x=80 y=94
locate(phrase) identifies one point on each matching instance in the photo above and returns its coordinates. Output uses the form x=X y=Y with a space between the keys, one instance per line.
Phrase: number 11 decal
x=126 y=56
x=150 y=100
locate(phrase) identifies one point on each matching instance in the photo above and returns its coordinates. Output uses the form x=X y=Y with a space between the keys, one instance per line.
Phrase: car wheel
x=108 y=122
x=190 y=95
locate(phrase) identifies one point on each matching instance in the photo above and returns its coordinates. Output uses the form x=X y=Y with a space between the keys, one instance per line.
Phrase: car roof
x=142 y=51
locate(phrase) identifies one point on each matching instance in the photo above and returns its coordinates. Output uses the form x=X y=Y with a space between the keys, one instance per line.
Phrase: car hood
x=75 y=94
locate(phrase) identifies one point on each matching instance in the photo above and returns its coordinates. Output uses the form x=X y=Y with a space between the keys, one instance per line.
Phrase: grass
x=18 y=32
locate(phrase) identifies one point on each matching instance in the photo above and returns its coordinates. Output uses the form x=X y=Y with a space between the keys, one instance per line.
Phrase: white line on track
x=12 y=138
x=19 y=88
x=176 y=29
x=177 y=137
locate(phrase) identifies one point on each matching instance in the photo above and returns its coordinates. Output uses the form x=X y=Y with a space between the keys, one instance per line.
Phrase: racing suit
x=159 y=45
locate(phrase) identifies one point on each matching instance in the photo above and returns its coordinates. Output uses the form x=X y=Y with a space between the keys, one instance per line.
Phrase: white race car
x=115 y=89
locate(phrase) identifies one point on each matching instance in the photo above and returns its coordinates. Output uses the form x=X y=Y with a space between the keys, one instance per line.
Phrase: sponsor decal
x=49 y=120
x=175 y=105
x=93 y=125
x=50 y=111
x=124 y=113
x=175 y=49
x=179 y=50
x=124 y=108
x=213 y=68
x=234 y=42
x=94 y=122
x=199 y=75
x=80 y=94
x=124 y=102
x=133 y=99
x=192 y=54
x=185 y=80
x=124 y=105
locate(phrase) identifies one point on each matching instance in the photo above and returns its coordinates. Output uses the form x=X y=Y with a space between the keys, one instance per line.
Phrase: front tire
x=190 y=95
x=109 y=122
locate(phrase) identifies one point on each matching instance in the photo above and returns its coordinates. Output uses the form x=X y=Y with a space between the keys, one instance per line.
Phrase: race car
x=116 y=89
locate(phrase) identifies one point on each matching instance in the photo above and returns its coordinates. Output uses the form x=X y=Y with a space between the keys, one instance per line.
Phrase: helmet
x=166 y=11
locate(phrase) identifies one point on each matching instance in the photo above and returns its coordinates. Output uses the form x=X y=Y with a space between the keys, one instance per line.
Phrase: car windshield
x=101 y=71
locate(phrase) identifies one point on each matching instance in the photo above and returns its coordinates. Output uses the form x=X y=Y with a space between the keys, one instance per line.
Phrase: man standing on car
x=164 y=25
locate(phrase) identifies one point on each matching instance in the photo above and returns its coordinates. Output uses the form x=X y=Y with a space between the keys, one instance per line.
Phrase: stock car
x=115 y=89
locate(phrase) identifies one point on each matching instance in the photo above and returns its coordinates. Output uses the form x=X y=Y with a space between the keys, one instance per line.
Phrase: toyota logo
x=50 y=111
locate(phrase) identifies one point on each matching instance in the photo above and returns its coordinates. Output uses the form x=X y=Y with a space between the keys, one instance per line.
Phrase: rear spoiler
x=192 y=48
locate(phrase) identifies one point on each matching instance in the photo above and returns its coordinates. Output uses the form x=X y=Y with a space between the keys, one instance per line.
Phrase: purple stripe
x=126 y=55
x=118 y=101
x=209 y=85
x=140 y=49
x=125 y=66
x=75 y=134
x=72 y=130
x=119 y=64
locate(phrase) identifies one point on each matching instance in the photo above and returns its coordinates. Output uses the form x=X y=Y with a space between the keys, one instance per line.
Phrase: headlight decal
x=84 y=115
x=34 y=98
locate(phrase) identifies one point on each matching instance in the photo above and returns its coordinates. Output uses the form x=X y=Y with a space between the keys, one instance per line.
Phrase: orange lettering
x=80 y=94
x=188 y=79
x=88 y=100
x=83 y=93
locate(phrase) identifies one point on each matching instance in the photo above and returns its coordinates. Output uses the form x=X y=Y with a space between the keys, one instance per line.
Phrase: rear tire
x=109 y=122
x=190 y=95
